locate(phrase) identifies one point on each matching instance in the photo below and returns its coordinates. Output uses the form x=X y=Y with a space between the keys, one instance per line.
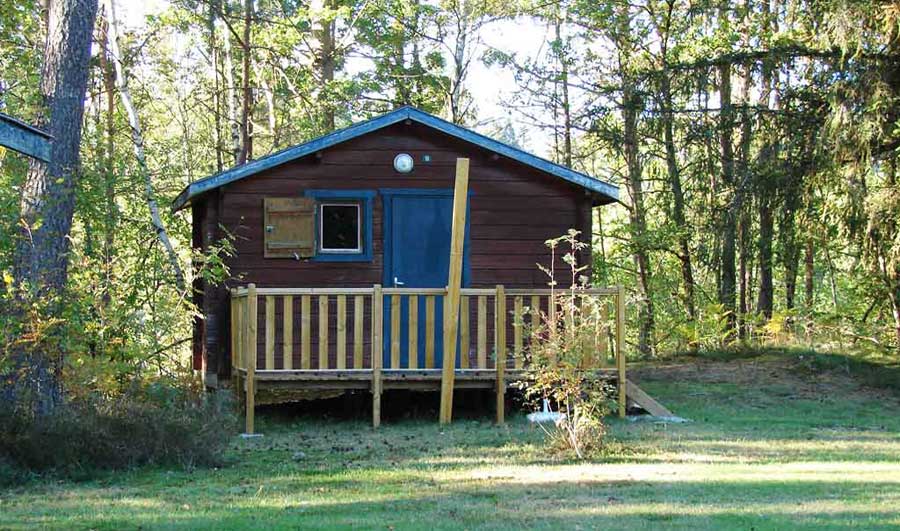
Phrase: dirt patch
x=793 y=374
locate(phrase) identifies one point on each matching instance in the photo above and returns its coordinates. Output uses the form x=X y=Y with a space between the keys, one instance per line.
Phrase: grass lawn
x=772 y=445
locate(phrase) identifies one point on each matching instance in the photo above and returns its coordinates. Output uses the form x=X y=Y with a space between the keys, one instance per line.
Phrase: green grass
x=772 y=446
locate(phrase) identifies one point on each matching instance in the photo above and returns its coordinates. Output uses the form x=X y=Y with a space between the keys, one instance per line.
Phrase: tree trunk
x=214 y=66
x=765 y=300
x=48 y=193
x=729 y=218
x=109 y=180
x=231 y=94
x=631 y=103
x=138 y=140
x=678 y=217
x=323 y=32
x=246 y=153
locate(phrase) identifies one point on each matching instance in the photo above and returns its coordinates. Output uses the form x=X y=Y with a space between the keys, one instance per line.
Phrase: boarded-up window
x=290 y=227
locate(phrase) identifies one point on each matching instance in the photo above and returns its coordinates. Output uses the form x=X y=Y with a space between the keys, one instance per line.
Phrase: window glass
x=339 y=228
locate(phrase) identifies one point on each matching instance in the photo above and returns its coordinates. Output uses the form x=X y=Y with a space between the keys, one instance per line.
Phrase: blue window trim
x=366 y=199
x=387 y=194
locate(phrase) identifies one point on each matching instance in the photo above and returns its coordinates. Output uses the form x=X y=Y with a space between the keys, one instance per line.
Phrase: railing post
x=500 y=349
x=250 y=353
x=620 y=350
x=377 y=323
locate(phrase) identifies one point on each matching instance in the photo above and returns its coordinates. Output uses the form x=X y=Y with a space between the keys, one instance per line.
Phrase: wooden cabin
x=341 y=261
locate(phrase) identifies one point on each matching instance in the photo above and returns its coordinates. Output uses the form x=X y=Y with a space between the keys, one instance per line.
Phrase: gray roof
x=607 y=192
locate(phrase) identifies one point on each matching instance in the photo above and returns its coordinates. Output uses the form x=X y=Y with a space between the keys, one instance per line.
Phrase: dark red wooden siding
x=514 y=209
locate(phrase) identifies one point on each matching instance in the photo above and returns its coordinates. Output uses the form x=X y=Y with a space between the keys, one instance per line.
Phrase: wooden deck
x=372 y=339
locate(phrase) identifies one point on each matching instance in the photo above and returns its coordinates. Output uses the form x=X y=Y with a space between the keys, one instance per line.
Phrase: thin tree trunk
x=564 y=87
x=678 y=216
x=729 y=221
x=630 y=109
x=109 y=180
x=323 y=31
x=217 y=98
x=138 y=140
x=231 y=95
x=246 y=126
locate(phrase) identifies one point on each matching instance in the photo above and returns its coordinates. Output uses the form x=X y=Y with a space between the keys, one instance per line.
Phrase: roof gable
x=607 y=191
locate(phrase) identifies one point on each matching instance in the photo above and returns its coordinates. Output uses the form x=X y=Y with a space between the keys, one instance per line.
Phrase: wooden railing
x=307 y=330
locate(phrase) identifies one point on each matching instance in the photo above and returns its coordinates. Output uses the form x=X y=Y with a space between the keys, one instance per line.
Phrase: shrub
x=563 y=347
x=157 y=424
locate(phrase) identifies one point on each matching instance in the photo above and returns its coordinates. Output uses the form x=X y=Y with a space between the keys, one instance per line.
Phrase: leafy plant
x=563 y=349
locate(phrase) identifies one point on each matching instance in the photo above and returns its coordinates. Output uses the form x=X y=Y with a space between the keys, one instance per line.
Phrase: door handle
x=397 y=282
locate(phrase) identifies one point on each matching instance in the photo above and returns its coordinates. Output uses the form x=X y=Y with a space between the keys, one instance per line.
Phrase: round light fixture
x=403 y=163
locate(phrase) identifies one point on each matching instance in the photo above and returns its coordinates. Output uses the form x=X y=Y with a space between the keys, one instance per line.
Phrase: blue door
x=417 y=227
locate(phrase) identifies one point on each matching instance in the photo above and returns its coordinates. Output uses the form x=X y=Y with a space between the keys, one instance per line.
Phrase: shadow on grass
x=310 y=503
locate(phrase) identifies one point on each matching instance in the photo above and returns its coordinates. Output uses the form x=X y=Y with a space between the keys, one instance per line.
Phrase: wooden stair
x=637 y=396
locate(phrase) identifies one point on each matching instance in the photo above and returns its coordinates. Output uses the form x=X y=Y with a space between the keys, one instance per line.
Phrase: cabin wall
x=514 y=209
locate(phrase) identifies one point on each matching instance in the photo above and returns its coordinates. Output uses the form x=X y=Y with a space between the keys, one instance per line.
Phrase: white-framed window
x=340 y=228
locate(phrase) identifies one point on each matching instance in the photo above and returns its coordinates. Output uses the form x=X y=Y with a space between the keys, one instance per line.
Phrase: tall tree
x=48 y=193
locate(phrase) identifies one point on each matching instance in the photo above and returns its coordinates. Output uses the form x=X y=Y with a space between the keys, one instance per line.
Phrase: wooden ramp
x=638 y=397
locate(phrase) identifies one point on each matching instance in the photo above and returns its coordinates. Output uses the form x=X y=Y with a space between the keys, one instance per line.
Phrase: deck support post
x=454 y=278
x=377 y=346
x=620 y=351
x=500 y=349
x=250 y=360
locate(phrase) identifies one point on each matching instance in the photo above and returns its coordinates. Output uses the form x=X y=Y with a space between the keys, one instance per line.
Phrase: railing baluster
x=305 y=331
x=429 y=332
x=341 y=332
x=250 y=393
x=518 y=355
x=464 y=332
x=358 y=340
x=500 y=349
x=377 y=345
x=413 y=332
x=395 y=331
x=535 y=319
x=323 y=331
x=482 y=332
x=287 y=361
x=270 y=333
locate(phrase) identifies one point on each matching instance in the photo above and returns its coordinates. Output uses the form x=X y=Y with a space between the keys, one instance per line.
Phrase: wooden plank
x=603 y=336
x=359 y=302
x=395 y=331
x=250 y=401
x=270 y=333
x=500 y=350
x=413 y=332
x=26 y=139
x=517 y=332
x=429 y=331
x=482 y=332
x=310 y=291
x=414 y=291
x=464 y=339
x=620 y=351
x=341 y=332
x=235 y=326
x=377 y=323
x=323 y=331
x=287 y=362
x=645 y=401
x=535 y=319
x=454 y=278
x=305 y=331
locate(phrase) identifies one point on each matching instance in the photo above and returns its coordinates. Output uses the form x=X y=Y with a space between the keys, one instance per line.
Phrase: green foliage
x=150 y=423
x=563 y=350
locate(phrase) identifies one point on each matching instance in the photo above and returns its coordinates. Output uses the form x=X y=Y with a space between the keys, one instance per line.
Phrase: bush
x=157 y=424
x=564 y=346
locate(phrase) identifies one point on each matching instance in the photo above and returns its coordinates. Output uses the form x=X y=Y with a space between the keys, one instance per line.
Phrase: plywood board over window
x=289 y=227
